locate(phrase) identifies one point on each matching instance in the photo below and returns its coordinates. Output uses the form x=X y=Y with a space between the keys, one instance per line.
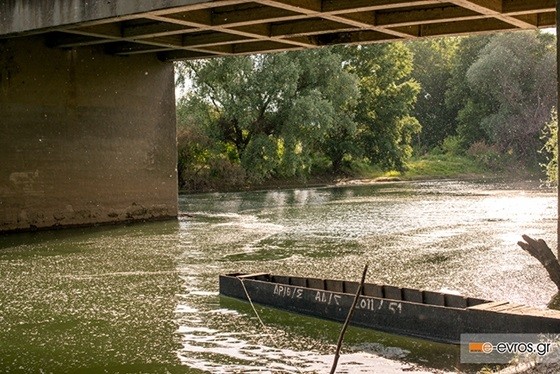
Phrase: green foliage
x=200 y=168
x=550 y=135
x=497 y=95
x=470 y=107
x=272 y=113
x=469 y=121
x=347 y=110
x=202 y=162
x=452 y=145
x=387 y=97
x=433 y=66
x=442 y=166
x=512 y=94
x=291 y=114
x=487 y=155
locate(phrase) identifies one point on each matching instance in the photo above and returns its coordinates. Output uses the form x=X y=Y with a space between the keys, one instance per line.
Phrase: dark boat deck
x=370 y=289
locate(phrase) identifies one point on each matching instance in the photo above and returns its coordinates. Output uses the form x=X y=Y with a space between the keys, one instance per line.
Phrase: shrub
x=452 y=145
x=487 y=155
x=201 y=167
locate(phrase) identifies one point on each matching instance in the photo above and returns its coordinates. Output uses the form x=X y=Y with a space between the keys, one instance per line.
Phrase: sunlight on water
x=431 y=235
x=144 y=298
x=237 y=343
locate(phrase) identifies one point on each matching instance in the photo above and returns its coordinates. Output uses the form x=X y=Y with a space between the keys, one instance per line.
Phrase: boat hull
x=397 y=313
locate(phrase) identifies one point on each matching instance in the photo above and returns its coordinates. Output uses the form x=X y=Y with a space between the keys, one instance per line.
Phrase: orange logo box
x=478 y=347
x=475 y=347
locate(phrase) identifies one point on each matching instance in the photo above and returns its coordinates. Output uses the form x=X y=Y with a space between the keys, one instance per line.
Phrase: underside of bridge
x=87 y=130
x=201 y=29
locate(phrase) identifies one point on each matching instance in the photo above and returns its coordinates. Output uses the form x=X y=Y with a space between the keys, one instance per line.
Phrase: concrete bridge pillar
x=85 y=137
x=87 y=127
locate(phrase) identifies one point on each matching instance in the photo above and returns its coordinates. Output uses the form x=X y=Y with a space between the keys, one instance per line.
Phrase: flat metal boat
x=425 y=314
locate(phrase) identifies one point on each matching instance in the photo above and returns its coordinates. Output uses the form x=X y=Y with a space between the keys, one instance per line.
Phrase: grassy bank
x=447 y=166
x=452 y=166
x=441 y=166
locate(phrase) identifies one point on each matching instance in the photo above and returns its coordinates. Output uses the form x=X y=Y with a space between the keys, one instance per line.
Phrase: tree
x=274 y=111
x=511 y=81
x=387 y=96
x=203 y=163
x=287 y=114
x=467 y=106
x=433 y=65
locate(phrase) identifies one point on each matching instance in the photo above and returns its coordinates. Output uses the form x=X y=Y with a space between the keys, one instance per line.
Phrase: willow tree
x=273 y=111
x=291 y=114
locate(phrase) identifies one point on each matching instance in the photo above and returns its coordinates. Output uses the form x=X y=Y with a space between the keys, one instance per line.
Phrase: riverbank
x=428 y=167
x=436 y=167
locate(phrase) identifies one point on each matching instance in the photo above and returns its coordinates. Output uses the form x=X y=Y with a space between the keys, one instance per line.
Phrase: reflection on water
x=144 y=298
x=441 y=235
x=89 y=300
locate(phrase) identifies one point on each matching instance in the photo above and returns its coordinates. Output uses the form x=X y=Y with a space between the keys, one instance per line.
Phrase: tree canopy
x=295 y=114
x=290 y=114
x=514 y=73
x=387 y=98
x=433 y=69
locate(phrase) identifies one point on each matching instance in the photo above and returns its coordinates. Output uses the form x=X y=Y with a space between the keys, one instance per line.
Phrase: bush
x=452 y=145
x=487 y=155
x=202 y=168
x=220 y=174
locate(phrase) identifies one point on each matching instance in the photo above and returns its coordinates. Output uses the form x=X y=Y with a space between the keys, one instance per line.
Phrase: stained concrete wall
x=85 y=137
x=18 y=16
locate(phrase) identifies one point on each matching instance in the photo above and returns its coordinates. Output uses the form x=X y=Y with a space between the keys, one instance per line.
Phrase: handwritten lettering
x=330 y=298
x=395 y=307
x=288 y=291
x=375 y=305
x=327 y=298
x=366 y=304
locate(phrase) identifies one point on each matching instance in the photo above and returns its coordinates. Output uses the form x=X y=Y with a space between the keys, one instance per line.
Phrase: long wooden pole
x=348 y=318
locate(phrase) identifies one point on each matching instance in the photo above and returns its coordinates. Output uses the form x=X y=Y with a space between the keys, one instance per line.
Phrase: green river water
x=144 y=298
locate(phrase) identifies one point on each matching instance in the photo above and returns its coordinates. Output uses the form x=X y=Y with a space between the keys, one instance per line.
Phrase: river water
x=143 y=298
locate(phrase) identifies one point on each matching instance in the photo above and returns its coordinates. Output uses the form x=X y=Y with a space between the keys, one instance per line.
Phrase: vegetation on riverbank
x=428 y=167
x=439 y=108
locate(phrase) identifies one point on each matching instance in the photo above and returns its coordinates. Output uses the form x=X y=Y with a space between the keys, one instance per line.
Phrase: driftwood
x=541 y=251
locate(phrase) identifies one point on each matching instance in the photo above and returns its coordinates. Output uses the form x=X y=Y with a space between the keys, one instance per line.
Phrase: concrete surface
x=85 y=137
